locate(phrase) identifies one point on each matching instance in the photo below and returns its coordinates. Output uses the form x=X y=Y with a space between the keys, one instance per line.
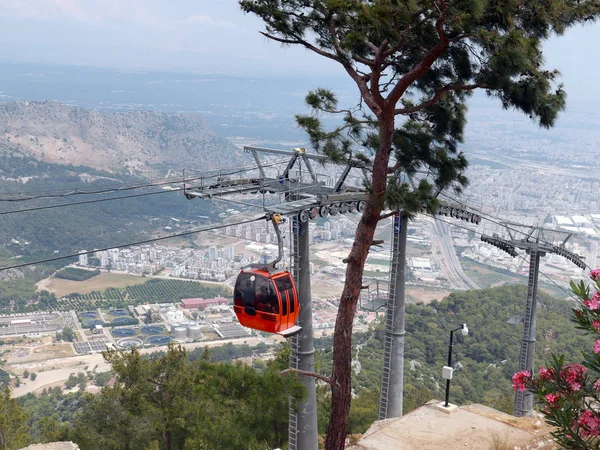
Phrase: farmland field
x=153 y=290
x=61 y=287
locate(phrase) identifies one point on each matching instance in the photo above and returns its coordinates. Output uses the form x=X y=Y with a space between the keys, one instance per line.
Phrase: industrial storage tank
x=180 y=333
x=194 y=332
x=173 y=326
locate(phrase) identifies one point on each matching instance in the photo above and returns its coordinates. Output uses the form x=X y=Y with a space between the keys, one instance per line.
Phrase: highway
x=454 y=270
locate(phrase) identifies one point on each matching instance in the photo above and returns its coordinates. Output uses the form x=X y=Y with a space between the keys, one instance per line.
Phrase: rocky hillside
x=134 y=141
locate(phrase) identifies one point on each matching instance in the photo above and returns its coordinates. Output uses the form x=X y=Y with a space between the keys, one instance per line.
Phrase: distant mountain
x=135 y=142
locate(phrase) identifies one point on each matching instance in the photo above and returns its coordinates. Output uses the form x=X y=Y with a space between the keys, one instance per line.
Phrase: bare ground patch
x=61 y=287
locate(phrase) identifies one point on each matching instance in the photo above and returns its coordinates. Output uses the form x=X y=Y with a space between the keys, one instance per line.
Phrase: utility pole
x=537 y=243
x=303 y=431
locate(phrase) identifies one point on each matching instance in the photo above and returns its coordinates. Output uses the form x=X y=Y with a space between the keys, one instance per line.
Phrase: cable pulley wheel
x=334 y=209
x=303 y=216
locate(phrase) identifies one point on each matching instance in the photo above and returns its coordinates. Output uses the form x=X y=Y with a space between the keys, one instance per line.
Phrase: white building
x=229 y=253
x=103 y=256
x=83 y=258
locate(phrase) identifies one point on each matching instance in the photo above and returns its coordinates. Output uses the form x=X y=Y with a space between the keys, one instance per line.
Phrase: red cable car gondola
x=267 y=300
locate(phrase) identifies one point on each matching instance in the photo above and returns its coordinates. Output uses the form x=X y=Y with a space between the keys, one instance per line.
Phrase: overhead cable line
x=125 y=187
x=145 y=241
x=124 y=197
x=86 y=202
x=520 y=256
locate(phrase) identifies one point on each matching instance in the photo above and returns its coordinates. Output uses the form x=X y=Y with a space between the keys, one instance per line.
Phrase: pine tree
x=14 y=431
x=415 y=64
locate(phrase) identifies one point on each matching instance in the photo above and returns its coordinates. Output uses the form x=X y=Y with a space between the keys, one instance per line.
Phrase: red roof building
x=194 y=303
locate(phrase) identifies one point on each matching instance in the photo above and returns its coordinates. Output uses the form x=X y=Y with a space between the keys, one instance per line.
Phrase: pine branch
x=420 y=69
x=395 y=168
x=385 y=216
x=438 y=95
x=323 y=378
x=298 y=41
x=360 y=81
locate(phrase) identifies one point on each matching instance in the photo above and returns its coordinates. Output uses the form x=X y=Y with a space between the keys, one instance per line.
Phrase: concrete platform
x=472 y=427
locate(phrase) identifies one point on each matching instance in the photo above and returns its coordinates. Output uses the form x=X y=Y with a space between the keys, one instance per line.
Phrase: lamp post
x=448 y=371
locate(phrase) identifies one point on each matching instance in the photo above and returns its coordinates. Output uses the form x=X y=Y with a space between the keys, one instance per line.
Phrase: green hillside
x=489 y=354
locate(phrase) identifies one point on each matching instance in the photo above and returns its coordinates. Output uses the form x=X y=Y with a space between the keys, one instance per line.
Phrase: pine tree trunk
x=342 y=339
x=167 y=440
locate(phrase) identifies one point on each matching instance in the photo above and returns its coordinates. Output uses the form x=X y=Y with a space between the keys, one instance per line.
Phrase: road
x=77 y=324
x=452 y=264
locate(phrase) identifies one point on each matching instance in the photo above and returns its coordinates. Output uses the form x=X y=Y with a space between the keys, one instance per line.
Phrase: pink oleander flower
x=574 y=375
x=597 y=346
x=553 y=400
x=589 y=425
x=519 y=379
x=596 y=325
x=592 y=303
x=597 y=384
x=595 y=274
x=546 y=374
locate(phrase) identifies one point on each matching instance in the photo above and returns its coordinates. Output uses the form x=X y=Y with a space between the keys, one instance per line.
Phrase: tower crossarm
x=500 y=243
x=458 y=212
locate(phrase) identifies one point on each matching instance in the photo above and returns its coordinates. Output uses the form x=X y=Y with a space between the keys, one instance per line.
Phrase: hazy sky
x=201 y=35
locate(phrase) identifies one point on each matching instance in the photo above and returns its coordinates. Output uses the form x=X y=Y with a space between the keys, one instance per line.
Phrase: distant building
x=83 y=258
x=212 y=253
x=103 y=256
x=194 y=303
x=229 y=252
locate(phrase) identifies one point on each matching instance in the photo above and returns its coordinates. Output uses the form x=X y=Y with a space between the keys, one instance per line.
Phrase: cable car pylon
x=305 y=201
x=392 y=374
x=536 y=244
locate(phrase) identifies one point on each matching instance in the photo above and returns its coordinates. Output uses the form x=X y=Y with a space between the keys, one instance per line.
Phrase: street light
x=447 y=371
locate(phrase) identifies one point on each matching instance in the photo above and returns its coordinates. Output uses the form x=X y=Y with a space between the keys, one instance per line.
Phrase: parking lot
x=90 y=346
x=231 y=330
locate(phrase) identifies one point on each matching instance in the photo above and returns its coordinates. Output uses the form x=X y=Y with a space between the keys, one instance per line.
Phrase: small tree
x=67 y=335
x=415 y=64
x=14 y=431
x=570 y=393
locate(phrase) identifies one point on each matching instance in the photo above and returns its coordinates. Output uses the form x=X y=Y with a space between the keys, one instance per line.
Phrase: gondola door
x=289 y=302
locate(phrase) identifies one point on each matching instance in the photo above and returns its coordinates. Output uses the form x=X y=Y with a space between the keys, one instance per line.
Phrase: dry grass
x=498 y=442
x=61 y=287
x=503 y=442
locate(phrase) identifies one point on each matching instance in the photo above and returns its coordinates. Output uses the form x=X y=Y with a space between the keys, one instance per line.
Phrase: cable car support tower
x=392 y=373
x=304 y=201
x=537 y=243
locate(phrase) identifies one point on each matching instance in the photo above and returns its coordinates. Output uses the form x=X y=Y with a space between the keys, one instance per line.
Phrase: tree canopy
x=174 y=403
x=14 y=431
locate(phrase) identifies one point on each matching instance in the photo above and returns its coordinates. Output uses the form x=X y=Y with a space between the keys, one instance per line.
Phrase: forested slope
x=489 y=353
